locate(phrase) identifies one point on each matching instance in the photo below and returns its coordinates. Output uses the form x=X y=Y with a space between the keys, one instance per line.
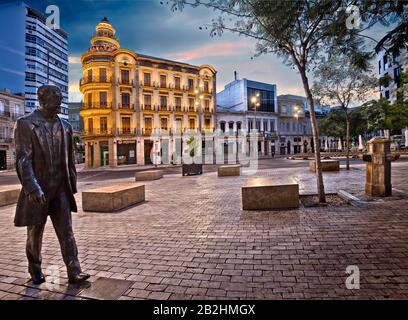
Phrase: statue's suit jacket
x=33 y=158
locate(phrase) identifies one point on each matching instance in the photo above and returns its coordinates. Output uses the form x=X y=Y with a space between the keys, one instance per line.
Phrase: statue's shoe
x=38 y=277
x=78 y=278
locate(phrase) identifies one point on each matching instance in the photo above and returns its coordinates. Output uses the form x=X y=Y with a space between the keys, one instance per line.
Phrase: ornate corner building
x=130 y=98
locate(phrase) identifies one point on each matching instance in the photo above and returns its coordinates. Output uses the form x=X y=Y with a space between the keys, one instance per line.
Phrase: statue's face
x=50 y=99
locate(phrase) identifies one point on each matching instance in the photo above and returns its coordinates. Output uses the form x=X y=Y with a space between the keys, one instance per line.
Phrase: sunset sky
x=148 y=27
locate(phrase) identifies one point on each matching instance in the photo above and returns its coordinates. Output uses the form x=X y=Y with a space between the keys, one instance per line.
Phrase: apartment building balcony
x=96 y=105
x=98 y=132
x=207 y=91
x=147 y=107
x=5 y=114
x=191 y=109
x=127 y=131
x=126 y=82
x=99 y=81
x=126 y=107
x=147 y=132
x=146 y=84
x=10 y=115
x=7 y=139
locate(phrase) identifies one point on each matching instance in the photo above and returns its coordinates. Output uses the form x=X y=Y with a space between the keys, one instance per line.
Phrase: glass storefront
x=126 y=152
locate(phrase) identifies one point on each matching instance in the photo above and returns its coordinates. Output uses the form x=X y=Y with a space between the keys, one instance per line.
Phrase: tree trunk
x=315 y=132
x=347 y=140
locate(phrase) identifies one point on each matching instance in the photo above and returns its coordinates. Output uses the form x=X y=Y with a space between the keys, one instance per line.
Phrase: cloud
x=221 y=49
x=74 y=59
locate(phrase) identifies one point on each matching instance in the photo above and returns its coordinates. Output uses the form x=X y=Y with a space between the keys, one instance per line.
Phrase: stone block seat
x=327 y=165
x=112 y=198
x=9 y=194
x=266 y=194
x=148 y=175
x=229 y=170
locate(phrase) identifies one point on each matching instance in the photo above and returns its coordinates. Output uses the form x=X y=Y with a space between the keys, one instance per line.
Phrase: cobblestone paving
x=191 y=240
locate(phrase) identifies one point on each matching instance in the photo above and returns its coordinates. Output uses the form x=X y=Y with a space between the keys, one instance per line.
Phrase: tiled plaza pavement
x=191 y=240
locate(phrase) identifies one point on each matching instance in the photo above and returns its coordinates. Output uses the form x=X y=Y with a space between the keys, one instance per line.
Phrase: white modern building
x=249 y=105
x=32 y=54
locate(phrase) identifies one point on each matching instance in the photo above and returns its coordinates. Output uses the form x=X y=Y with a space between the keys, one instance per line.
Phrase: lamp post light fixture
x=296 y=114
x=255 y=102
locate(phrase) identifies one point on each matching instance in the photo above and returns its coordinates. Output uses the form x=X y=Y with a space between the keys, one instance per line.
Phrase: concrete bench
x=327 y=165
x=265 y=194
x=9 y=195
x=231 y=170
x=113 y=198
x=148 y=175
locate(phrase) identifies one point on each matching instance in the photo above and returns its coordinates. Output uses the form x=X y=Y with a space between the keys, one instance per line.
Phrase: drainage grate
x=106 y=289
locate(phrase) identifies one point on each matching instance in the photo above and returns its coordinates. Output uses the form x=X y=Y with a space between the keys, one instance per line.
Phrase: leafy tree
x=300 y=32
x=382 y=114
x=358 y=124
x=396 y=115
x=341 y=83
x=333 y=125
x=386 y=13
x=373 y=113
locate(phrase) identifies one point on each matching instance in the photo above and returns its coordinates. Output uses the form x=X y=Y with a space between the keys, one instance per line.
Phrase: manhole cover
x=106 y=289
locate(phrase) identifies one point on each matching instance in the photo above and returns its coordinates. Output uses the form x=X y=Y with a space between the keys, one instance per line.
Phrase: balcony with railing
x=126 y=82
x=147 y=107
x=127 y=131
x=148 y=84
x=207 y=91
x=163 y=108
x=126 y=106
x=10 y=115
x=6 y=139
x=102 y=80
x=98 y=132
x=96 y=105
x=147 y=131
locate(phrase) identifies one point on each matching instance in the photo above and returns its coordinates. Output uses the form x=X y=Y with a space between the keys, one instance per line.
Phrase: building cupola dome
x=104 y=39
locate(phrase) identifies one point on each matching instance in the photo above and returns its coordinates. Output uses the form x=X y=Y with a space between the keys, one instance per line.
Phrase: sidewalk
x=191 y=239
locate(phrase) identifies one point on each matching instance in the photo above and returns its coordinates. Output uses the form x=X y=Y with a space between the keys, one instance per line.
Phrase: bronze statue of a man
x=46 y=169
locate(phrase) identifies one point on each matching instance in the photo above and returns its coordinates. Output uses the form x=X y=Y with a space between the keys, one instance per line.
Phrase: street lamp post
x=297 y=111
x=255 y=102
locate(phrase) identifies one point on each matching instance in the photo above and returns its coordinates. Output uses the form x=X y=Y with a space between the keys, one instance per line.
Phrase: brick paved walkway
x=191 y=240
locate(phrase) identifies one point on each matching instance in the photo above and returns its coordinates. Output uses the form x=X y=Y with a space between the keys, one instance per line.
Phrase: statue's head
x=50 y=98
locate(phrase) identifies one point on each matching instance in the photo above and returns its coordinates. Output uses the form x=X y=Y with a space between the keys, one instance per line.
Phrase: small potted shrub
x=193 y=168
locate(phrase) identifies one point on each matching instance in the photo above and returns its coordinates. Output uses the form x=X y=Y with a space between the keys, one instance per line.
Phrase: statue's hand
x=38 y=197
